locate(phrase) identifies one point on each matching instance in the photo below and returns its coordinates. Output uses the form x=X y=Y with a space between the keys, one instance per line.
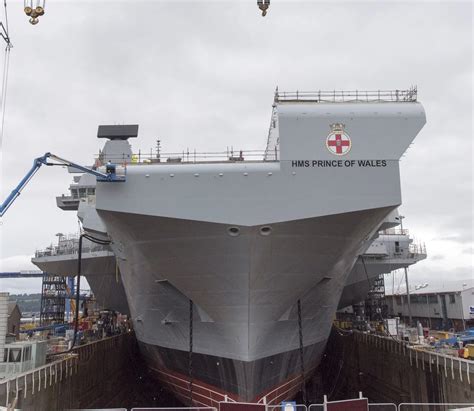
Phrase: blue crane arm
x=98 y=174
x=37 y=163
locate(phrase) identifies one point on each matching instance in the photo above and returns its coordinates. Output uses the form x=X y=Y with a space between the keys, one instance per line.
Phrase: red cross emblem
x=338 y=143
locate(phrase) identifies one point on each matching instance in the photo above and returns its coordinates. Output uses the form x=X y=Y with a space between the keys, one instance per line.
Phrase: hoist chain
x=300 y=329
x=190 y=362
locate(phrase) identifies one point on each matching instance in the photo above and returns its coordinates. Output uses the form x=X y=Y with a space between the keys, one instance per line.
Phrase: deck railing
x=191 y=156
x=69 y=245
x=395 y=231
x=340 y=96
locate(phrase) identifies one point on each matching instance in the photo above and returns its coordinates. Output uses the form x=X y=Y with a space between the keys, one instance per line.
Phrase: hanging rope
x=190 y=363
x=78 y=285
x=300 y=329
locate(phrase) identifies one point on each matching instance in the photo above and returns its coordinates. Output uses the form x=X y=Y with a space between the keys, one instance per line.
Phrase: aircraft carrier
x=241 y=262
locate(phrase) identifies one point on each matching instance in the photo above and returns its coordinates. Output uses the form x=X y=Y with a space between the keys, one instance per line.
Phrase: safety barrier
x=372 y=407
x=280 y=407
x=457 y=368
x=34 y=381
x=436 y=406
x=176 y=409
x=382 y=407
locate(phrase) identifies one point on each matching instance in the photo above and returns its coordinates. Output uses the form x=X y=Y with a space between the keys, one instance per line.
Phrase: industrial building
x=14 y=319
x=445 y=306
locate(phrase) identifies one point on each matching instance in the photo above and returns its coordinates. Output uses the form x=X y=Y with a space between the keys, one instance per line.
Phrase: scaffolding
x=376 y=307
x=53 y=300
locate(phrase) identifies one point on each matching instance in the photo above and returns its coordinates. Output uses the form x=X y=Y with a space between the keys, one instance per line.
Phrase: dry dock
x=109 y=373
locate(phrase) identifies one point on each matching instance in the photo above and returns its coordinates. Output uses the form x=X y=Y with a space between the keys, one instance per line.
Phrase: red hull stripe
x=210 y=396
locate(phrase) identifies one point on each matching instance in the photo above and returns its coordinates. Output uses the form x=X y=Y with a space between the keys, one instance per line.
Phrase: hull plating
x=245 y=289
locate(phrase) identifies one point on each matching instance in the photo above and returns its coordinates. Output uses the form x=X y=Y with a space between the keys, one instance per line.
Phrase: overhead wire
x=6 y=64
x=6 y=17
x=4 y=91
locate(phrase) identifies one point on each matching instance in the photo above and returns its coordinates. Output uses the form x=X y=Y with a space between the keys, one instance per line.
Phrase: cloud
x=21 y=285
x=455 y=238
x=17 y=263
x=433 y=276
x=202 y=74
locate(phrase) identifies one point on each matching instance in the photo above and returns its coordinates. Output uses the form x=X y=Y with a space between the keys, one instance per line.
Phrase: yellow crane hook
x=34 y=11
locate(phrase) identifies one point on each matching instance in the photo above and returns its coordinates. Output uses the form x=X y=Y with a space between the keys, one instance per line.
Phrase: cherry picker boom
x=110 y=175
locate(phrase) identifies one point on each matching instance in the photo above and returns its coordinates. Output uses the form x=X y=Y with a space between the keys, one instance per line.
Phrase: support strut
x=300 y=329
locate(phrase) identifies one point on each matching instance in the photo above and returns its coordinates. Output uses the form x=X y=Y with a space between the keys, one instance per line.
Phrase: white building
x=438 y=305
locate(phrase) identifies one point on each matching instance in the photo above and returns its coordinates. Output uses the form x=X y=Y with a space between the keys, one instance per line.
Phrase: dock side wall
x=99 y=375
x=386 y=370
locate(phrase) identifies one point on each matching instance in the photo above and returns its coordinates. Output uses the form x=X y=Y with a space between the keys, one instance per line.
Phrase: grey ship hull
x=235 y=284
x=195 y=232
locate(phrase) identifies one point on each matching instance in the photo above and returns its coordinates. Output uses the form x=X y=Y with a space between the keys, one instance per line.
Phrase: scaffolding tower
x=376 y=308
x=53 y=300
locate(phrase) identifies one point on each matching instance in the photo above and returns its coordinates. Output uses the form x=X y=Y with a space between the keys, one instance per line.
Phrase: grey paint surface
x=169 y=226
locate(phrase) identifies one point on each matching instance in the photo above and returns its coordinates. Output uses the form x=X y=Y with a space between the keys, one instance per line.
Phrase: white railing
x=192 y=156
x=38 y=379
x=385 y=406
x=382 y=406
x=412 y=406
x=279 y=407
x=417 y=249
x=432 y=406
x=454 y=367
x=70 y=246
x=395 y=231
x=340 y=96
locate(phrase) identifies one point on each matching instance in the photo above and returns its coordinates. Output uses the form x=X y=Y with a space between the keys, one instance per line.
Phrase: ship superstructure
x=253 y=254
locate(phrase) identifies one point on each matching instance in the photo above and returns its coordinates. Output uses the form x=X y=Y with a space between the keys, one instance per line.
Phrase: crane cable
x=78 y=285
x=4 y=91
x=6 y=64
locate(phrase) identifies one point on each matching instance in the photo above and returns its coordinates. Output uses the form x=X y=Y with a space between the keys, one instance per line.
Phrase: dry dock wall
x=386 y=370
x=98 y=374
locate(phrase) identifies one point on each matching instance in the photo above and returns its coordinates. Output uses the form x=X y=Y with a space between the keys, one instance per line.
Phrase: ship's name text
x=339 y=163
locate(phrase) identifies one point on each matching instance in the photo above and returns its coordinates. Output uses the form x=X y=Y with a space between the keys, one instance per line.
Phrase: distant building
x=14 y=319
x=438 y=306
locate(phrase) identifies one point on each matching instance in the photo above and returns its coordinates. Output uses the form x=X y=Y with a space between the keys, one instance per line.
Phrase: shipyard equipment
x=110 y=175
